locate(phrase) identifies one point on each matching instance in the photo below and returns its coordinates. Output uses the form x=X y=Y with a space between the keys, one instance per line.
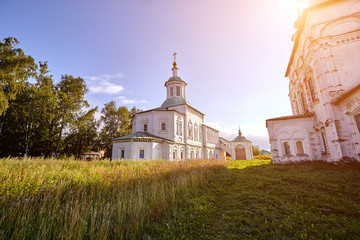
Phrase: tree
x=27 y=122
x=46 y=112
x=83 y=133
x=256 y=150
x=15 y=69
x=71 y=92
x=116 y=123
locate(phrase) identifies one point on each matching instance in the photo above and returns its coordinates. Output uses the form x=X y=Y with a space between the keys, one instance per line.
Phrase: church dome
x=173 y=102
x=240 y=138
x=176 y=78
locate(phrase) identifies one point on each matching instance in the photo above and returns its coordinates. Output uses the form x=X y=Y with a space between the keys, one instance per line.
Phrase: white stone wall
x=152 y=150
x=292 y=131
x=323 y=69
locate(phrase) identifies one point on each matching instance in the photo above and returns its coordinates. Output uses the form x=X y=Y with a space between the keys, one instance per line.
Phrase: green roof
x=173 y=102
x=143 y=136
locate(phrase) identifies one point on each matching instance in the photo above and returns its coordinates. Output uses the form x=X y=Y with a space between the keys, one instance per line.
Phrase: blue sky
x=232 y=53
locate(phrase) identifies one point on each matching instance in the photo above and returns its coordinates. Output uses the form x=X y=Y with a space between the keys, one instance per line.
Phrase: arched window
x=190 y=130
x=299 y=147
x=286 y=148
x=196 y=134
x=179 y=127
x=191 y=154
x=178 y=91
x=171 y=91
x=145 y=128
x=210 y=154
x=163 y=126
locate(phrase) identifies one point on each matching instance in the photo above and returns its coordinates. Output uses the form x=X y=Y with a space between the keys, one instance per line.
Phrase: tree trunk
x=58 y=142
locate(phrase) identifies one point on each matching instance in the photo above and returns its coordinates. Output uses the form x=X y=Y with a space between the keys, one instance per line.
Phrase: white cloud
x=126 y=101
x=103 y=84
x=104 y=77
x=106 y=87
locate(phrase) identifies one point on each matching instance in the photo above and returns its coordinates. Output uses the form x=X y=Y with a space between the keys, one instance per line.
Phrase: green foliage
x=15 y=69
x=256 y=150
x=34 y=122
x=67 y=199
x=295 y=201
x=263 y=157
x=71 y=92
x=83 y=133
x=116 y=123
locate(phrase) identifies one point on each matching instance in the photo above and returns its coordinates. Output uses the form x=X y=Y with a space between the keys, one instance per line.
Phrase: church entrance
x=240 y=152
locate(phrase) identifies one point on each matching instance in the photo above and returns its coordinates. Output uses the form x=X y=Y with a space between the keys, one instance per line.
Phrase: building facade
x=176 y=131
x=324 y=87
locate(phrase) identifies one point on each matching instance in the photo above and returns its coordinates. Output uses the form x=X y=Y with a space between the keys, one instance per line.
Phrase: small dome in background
x=240 y=138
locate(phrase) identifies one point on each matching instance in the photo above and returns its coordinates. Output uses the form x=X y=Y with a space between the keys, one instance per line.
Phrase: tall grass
x=67 y=199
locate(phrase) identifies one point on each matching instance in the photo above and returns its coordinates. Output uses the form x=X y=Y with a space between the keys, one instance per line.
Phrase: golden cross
x=174 y=56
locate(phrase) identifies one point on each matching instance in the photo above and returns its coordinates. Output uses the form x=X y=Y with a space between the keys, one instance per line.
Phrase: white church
x=324 y=87
x=176 y=131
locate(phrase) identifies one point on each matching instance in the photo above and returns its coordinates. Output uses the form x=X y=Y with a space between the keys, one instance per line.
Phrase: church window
x=192 y=154
x=287 y=148
x=122 y=153
x=197 y=154
x=190 y=130
x=210 y=154
x=182 y=155
x=171 y=91
x=163 y=126
x=174 y=155
x=145 y=128
x=179 y=127
x=177 y=90
x=142 y=154
x=196 y=134
x=300 y=147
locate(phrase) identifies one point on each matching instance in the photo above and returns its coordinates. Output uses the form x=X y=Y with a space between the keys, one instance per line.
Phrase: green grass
x=259 y=200
x=201 y=199
x=67 y=199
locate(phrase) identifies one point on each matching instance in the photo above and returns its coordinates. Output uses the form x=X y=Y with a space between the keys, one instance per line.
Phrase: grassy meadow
x=200 y=199
x=68 y=199
x=259 y=200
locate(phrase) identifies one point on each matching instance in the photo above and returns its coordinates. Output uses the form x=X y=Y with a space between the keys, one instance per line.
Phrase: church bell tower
x=175 y=86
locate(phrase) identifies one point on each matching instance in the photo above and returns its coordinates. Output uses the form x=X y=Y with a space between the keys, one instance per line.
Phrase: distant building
x=176 y=131
x=92 y=155
x=324 y=87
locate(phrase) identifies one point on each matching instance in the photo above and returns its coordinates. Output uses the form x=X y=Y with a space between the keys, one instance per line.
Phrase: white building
x=176 y=131
x=324 y=86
